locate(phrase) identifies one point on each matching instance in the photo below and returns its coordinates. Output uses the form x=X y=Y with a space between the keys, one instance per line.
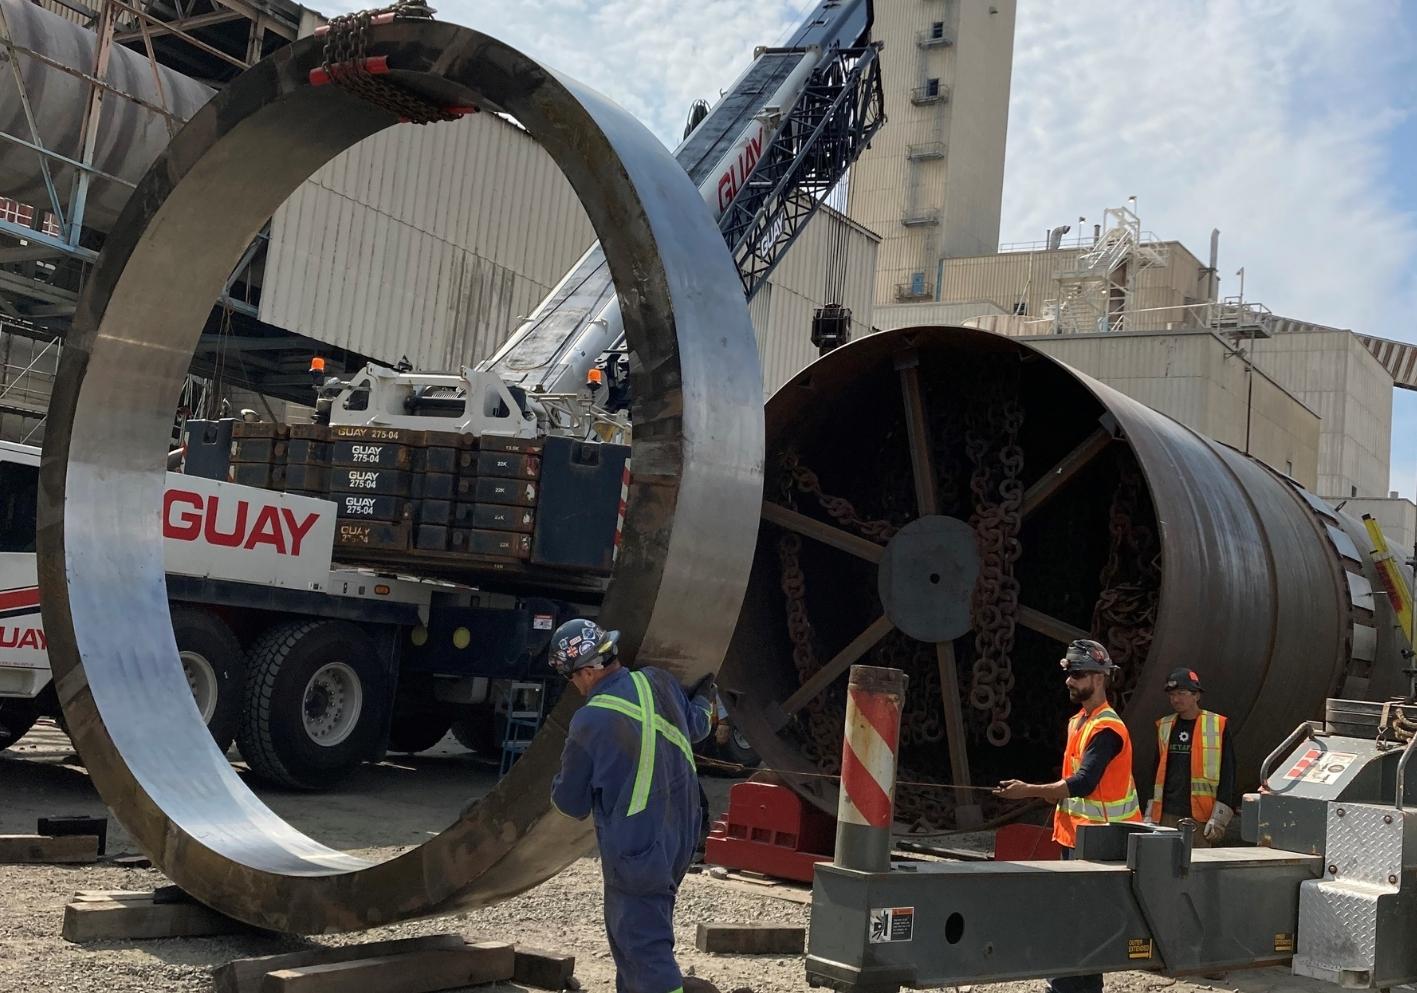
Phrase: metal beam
x=255 y=13
x=165 y=28
x=36 y=290
x=80 y=74
x=249 y=343
x=192 y=40
x=40 y=149
x=5 y=39
x=48 y=240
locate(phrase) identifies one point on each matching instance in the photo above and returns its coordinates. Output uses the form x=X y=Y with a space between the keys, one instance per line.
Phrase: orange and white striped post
x=865 y=810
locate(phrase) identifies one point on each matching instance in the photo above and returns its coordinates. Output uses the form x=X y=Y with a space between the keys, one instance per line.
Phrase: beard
x=1076 y=694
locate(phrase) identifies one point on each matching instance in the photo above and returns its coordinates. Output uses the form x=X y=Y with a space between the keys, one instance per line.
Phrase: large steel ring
x=687 y=545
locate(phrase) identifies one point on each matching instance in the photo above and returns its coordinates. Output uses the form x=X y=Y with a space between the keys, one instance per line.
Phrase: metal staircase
x=1096 y=294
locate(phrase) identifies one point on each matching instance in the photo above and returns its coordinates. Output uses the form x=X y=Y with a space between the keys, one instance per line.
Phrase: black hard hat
x=1086 y=655
x=580 y=643
x=1183 y=679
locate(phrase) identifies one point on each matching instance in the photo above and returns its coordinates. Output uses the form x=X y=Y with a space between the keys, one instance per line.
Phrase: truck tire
x=314 y=694
x=482 y=732
x=416 y=730
x=736 y=749
x=215 y=667
x=16 y=719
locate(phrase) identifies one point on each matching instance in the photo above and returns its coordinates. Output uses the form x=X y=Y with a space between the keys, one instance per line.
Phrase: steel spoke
x=824 y=677
x=918 y=433
x=954 y=718
x=825 y=533
x=1068 y=466
x=1048 y=625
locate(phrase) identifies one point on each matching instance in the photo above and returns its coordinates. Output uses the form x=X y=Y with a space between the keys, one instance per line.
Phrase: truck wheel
x=736 y=749
x=418 y=729
x=16 y=718
x=482 y=732
x=313 y=699
x=215 y=667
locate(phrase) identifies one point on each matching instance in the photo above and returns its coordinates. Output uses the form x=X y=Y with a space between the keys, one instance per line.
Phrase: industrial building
x=932 y=182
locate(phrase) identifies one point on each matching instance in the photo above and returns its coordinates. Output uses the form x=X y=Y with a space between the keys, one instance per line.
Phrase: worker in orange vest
x=1097 y=785
x=1195 y=763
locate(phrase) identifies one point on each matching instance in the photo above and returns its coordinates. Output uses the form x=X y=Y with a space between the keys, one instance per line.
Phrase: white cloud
x=1266 y=120
x=653 y=57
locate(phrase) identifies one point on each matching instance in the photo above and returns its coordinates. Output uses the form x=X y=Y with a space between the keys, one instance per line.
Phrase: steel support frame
x=1152 y=903
x=840 y=110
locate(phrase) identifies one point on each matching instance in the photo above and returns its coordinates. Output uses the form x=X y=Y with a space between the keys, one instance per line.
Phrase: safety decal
x=1304 y=764
x=1330 y=767
x=892 y=924
x=1139 y=948
x=541 y=622
x=1284 y=943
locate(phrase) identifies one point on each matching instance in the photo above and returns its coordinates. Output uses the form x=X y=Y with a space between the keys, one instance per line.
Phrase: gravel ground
x=401 y=802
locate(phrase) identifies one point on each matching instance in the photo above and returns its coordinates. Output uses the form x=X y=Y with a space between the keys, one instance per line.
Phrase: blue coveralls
x=629 y=762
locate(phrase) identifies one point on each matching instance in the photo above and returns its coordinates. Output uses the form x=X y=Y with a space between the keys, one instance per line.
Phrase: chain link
x=1125 y=613
x=993 y=420
x=346 y=64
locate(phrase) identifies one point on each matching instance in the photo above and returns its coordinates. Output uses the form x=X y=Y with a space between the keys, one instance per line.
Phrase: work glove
x=1220 y=819
x=703 y=688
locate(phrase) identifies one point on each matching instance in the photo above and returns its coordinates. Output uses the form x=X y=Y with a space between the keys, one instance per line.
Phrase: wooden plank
x=542 y=969
x=139 y=918
x=418 y=972
x=751 y=939
x=247 y=975
x=66 y=849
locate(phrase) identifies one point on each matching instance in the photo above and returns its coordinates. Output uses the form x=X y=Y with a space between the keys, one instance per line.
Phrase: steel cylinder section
x=686 y=547
x=874 y=698
x=130 y=135
x=1091 y=515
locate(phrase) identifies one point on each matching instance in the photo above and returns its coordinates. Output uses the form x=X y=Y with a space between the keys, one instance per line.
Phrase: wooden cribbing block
x=42 y=848
x=751 y=939
x=416 y=972
x=121 y=915
x=542 y=969
x=247 y=975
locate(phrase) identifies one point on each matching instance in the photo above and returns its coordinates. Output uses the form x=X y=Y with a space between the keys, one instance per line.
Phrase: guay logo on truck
x=19 y=619
x=188 y=516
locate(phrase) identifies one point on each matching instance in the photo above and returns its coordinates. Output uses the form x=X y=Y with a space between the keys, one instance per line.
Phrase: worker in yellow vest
x=1195 y=763
x=1097 y=785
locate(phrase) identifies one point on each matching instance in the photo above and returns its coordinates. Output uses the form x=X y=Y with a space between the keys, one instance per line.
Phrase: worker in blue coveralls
x=629 y=761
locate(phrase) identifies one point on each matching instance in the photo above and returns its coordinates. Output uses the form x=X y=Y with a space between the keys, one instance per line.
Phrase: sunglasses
x=1078 y=675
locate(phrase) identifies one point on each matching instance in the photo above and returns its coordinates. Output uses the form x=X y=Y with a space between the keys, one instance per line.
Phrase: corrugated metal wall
x=430 y=243
x=424 y=242
x=782 y=310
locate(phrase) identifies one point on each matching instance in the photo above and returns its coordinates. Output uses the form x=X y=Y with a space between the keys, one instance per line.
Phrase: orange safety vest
x=1115 y=798
x=1205 y=763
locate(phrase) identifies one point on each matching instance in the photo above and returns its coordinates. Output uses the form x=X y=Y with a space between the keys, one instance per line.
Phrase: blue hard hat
x=580 y=643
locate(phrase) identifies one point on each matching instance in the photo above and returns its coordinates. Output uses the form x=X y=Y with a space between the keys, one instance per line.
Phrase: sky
x=1290 y=125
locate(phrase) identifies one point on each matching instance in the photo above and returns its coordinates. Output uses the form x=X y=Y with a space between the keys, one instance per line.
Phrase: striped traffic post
x=874 y=698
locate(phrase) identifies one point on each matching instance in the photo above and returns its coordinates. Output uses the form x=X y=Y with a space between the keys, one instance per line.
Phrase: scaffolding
x=49 y=242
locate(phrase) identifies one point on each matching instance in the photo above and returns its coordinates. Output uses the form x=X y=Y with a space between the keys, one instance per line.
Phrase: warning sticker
x=541 y=622
x=892 y=924
x=1283 y=942
x=1329 y=767
x=1319 y=766
x=1304 y=764
x=1138 y=948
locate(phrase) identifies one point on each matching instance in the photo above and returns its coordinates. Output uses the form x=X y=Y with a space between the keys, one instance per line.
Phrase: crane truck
x=394 y=570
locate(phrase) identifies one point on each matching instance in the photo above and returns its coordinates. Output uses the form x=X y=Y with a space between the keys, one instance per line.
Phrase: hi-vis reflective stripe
x=1210 y=750
x=644 y=775
x=1099 y=812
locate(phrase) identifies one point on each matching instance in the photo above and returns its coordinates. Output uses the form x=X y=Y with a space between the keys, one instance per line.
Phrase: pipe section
x=686 y=548
x=1091 y=515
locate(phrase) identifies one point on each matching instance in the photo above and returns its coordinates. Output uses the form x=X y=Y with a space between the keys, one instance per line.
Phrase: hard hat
x=1086 y=655
x=580 y=643
x=1183 y=679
